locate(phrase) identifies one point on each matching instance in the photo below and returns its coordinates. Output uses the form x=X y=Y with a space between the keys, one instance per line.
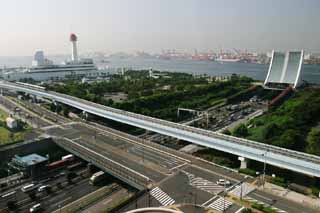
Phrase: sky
x=152 y=25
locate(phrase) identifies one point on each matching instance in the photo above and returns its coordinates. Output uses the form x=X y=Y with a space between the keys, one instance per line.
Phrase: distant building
x=11 y=123
x=31 y=165
x=90 y=80
x=157 y=75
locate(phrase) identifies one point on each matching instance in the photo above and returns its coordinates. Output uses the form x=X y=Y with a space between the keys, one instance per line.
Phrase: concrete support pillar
x=85 y=115
x=244 y=162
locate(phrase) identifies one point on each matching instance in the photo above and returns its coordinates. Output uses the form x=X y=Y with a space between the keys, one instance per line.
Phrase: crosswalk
x=252 y=200
x=203 y=184
x=220 y=204
x=242 y=190
x=162 y=197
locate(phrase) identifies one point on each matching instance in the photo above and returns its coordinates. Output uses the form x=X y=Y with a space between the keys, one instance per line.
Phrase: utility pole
x=224 y=196
x=264 y=168
x=241 y=190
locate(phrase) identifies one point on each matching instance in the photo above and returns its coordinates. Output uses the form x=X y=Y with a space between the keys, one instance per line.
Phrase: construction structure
x=284 y=70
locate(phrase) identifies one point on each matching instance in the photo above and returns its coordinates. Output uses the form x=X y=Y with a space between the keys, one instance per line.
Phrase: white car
x=223 y=182
x=42 y=188
x=35 y=208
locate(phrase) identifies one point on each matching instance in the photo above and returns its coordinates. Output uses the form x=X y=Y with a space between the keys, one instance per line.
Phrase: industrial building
x=31 y=165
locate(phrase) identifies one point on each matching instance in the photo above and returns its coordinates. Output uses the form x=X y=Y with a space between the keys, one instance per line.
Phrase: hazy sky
x=130 y=25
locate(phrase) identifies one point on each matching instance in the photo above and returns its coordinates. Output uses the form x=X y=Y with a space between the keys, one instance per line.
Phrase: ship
x=42 y=64
x=44 y=69
x=229 y=59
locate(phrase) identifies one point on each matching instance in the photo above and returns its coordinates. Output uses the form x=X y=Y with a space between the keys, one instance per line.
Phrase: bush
x=247 y=171
x=279 y=181
x=226 y=132
x=262 y=208
x=241 y=131
x=315 y=191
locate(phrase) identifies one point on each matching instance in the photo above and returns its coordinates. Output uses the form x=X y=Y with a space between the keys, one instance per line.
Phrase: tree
x=289 y=139
x=313 y=141
x=247 y=211
x=241 y=131
x=226 y=132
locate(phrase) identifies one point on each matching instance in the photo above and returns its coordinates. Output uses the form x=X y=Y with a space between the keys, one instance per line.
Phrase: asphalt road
x=24 y=199
x=155 y=165
x=68 y=194
x=23 y=113
x=280 y=203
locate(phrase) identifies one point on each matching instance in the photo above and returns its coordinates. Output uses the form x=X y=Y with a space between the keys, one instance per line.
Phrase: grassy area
x=11 y=136
x=248 y=171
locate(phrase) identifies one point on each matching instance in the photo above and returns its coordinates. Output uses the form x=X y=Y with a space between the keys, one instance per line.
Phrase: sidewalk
x=291 y=195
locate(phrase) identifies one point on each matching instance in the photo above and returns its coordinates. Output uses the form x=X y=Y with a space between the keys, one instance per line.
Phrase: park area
x=12 y=136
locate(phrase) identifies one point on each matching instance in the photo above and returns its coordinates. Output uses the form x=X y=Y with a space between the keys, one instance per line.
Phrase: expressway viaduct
x=246 y=149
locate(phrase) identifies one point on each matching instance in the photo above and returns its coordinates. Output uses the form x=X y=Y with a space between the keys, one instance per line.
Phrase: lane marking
x=181 y=165
x=239 y=210
x=208 y=201
x=62 y=201
x=108 y=201
x=263 y=197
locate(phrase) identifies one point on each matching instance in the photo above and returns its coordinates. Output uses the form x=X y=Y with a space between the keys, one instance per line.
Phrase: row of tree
x=147 y=96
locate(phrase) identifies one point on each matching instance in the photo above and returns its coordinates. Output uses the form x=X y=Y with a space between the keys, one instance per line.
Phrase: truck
x=97 y=177
x=69 y=157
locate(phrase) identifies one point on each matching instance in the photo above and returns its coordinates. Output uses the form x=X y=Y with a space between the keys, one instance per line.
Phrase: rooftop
x=31 y=159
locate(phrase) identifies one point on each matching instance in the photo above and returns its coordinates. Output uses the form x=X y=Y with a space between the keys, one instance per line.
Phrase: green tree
x=241 y=131
x=289 y=139
x=226 y=132
x=247 y=211
x=313 y=141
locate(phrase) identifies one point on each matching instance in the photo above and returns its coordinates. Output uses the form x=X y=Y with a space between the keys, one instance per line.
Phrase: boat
x=229 y=59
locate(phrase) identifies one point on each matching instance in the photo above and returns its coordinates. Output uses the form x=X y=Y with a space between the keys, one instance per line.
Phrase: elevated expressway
x=280 y=157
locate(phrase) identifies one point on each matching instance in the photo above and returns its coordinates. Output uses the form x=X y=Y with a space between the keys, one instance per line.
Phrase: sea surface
x=310 y=73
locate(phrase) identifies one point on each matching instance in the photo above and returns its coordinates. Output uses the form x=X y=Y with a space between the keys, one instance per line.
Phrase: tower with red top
x=74 y=53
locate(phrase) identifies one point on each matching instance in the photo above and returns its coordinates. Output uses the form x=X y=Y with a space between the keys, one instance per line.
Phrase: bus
x=28 y=188
x=97 y=177
x=9 y=194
